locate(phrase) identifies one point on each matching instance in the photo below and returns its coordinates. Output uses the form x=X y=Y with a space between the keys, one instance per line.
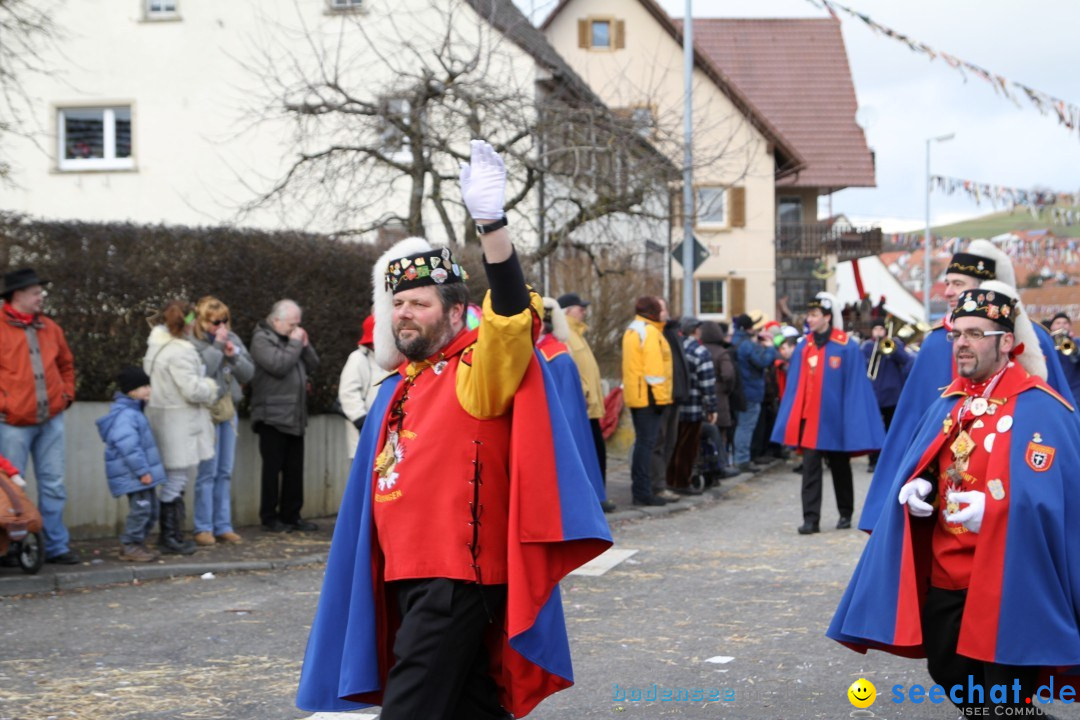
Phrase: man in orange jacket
x=37 y=384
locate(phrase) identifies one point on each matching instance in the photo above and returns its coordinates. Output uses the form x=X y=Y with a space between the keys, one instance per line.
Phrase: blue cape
x=556 y=525
x=931 y=373
x=1025 y=583
x=567 y=379
x=848 y=419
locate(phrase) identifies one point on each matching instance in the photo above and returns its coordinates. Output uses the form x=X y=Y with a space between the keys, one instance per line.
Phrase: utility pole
x=688 y=162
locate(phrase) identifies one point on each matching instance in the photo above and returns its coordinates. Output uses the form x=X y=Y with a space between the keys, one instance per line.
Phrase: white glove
x=970 y=517
x=913 y=494
x=483 y=183
x=18 y=480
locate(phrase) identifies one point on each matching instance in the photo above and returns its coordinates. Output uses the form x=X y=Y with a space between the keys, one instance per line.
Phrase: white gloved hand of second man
x=913 y=494
x=971 y=516
x=483 y=183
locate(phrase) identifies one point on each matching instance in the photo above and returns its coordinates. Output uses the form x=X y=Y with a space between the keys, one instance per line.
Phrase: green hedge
x=107 y=278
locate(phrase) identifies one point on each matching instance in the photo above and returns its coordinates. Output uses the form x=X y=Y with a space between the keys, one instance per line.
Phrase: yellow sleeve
x=490 y=374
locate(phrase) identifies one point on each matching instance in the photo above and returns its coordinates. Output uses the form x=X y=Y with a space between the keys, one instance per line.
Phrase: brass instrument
x=1064 y=344
x=883 y=347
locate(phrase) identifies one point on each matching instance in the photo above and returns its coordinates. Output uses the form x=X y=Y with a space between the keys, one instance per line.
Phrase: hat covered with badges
x=429 y=267
x=1000 y=303
x=989 y=304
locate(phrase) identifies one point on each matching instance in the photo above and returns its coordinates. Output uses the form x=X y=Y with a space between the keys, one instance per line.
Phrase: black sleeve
x=509 y=295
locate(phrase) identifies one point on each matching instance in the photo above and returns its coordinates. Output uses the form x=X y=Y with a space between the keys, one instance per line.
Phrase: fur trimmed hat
x=559 y=327
x=1003 y=267
x=387 y=355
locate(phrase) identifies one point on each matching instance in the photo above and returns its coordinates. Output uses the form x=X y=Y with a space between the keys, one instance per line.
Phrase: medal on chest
x=812 y=361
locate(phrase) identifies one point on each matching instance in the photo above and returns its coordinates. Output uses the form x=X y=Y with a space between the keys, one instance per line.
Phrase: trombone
x=1064 y=344
x=882 y=348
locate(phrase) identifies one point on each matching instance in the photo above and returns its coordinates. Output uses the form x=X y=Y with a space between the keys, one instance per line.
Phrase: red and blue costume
x=1023 y=574
x=932 y=371
x=828 y=402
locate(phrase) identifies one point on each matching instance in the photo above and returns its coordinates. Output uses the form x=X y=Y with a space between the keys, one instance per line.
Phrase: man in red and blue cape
x=828 y=410
x=564 y=372
x=973 y=563
x=933 y=368
x=467 y=502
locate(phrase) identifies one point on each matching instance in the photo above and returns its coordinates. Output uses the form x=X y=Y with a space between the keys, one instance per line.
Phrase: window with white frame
x=95 y=138
x=158 y=9
x=711 y=206
x=711 y=297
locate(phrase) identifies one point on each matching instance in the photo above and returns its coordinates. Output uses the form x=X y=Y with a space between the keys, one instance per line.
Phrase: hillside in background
x=1005 y=221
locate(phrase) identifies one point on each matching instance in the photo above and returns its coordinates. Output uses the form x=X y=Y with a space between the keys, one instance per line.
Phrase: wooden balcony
x=821 y=239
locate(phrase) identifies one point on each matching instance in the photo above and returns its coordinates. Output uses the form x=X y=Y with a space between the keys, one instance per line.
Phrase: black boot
x=170 y=525
x=178 y=532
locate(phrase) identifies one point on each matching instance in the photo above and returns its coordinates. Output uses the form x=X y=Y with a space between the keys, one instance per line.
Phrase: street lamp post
x=927 y=281
x=687 y=259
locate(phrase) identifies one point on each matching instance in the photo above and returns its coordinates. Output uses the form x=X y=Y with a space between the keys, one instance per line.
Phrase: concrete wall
x=92 y=512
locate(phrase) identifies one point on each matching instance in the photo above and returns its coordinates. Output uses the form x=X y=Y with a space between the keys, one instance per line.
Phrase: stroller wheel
x=31 y=553
x=697 y=482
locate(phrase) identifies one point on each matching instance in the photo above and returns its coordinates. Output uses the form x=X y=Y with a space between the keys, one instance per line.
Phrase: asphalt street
x=724 y=597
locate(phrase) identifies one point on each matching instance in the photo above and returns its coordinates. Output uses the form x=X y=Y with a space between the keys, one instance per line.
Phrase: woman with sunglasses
x=179 y=415
x=228 y=362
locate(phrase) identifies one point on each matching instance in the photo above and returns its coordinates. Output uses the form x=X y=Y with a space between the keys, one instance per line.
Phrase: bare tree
x=26 y=31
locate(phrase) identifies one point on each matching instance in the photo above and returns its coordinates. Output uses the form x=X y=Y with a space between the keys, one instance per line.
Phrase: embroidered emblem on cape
x=996 y=488
x=1039 y=457
x=834 y=362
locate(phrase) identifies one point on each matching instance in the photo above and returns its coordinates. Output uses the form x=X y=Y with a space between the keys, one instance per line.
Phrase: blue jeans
x=646 y=432
x=45 y=443
x=744 y=431
x=143 y=511
x=213 y=507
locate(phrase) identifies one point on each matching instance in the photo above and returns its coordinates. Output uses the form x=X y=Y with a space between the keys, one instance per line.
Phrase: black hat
x=431 y=267
x=570 y=300
x=131 y=378
x=744 y=321
x=976 y=266
x=996 y=306
x=877 y=322
x=20 y=279
x=689 y=324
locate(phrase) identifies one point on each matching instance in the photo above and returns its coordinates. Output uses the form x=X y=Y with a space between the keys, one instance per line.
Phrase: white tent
x=876 y=281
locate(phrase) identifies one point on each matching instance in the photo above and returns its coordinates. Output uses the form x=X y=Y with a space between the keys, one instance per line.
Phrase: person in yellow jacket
x=647 y=388
x=589 y=370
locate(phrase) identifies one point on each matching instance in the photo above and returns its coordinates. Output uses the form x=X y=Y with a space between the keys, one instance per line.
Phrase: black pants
x=886 y=416
x=440 y=667
x=840 y=468
x=282 y=457
x=601 y=447
x=942 y=613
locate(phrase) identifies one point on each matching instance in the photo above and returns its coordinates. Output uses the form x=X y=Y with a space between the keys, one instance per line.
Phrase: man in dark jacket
x=283 y=358
x=892 y=372
x=669 y=420
x=714 y=338
x=753 y=356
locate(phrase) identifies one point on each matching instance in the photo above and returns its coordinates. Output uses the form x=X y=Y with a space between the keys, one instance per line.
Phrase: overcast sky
x=905 y=98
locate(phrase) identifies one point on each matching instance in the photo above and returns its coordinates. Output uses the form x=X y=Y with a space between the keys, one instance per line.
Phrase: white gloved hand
x=971 y=516
x=483 y=183
x=18 y=480
x=913 y=494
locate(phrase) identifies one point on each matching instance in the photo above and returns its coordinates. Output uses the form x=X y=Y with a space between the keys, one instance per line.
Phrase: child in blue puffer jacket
x=132 y=462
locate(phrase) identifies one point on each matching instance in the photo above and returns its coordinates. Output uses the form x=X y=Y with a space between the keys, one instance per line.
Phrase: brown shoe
x=230 y=537
x=204 y=538
x=136 y=553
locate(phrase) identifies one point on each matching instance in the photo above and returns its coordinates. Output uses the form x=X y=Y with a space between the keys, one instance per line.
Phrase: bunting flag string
x=1000 y=195
x=1067 y=113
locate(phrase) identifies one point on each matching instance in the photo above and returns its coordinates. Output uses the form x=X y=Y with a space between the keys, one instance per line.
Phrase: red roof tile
x=796 y=72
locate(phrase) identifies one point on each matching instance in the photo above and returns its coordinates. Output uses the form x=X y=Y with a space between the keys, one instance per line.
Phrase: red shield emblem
x=1039 y=457
x=834 y=362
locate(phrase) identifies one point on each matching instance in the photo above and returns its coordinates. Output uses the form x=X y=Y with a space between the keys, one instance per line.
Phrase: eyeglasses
x=223 y=321
x=972 y=335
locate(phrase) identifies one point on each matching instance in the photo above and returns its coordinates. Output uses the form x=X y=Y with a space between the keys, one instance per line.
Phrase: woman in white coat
x=179 y=415
x=359 y=384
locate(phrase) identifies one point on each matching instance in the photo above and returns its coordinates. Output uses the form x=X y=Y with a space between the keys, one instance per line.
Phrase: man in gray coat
x=283 y=358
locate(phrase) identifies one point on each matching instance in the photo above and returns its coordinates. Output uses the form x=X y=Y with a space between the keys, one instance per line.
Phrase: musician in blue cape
x=828 y=410
x=973 y=562
x=467 y=502
x=934 y=368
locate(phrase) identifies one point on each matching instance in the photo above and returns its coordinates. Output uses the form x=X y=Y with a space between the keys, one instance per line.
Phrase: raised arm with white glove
x=971 y=516
x=483 y=189
x=914 y=494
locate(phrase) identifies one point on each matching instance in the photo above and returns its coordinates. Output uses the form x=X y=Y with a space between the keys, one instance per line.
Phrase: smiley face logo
x=862 y=693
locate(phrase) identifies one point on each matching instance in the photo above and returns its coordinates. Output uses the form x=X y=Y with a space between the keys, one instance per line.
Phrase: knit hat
x=131 y=378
